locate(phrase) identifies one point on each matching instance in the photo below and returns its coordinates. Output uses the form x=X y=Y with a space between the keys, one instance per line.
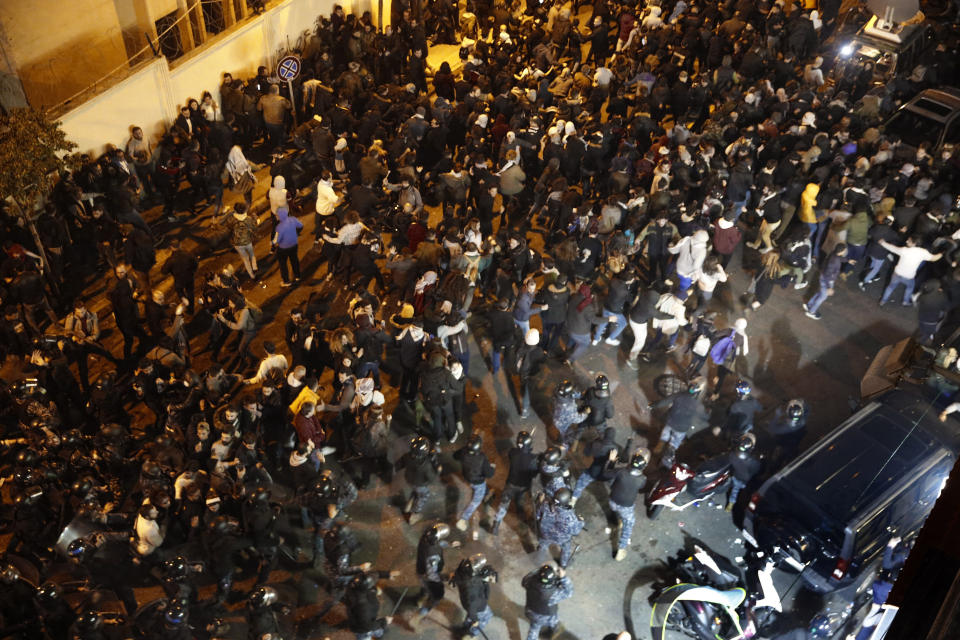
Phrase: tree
x=33 y=152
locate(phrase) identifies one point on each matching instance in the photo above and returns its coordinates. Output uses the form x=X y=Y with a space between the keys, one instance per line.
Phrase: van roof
x=866 y=458
x=937 y=104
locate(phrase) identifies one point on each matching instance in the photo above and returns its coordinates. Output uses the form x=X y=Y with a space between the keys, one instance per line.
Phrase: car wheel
x=654 y=510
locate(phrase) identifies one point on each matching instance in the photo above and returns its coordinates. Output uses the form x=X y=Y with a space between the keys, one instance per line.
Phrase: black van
x=829 y=514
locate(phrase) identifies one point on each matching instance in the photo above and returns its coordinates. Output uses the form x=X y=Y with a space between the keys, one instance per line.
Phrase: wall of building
x=151 y=96
x=59 y=48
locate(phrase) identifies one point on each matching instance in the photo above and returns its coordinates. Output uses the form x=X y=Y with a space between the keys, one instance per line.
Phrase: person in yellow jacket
x=815 y=219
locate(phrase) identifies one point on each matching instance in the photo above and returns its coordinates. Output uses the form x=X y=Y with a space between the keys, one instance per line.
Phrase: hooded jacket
x=285 y=234
x=691 y=252
x=278 y=194
x=808 y=202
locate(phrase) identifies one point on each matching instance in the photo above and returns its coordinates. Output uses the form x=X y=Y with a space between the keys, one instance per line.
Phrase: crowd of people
x=583 y=175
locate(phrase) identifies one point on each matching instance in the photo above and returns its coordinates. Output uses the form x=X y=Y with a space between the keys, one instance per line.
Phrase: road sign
x=288 y=68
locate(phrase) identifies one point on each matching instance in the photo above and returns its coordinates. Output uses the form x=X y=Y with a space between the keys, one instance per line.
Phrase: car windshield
x=780 y=501
x=914 y=128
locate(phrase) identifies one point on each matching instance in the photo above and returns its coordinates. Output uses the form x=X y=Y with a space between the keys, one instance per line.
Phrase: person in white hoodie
x=691 y=251
x=278 y=195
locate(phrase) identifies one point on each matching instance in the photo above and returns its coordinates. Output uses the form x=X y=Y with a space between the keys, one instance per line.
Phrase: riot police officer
x=603 y=451
x=430 y=564
x=627 y=484
x=554 y=474
x=476 y=468
x=260 y=522
x=522 y=471
x=421 y=467
x=266 y=615
x=545 y=588
x=472 y=579
x=363 y=606
x=557 y=523
x=222 y=543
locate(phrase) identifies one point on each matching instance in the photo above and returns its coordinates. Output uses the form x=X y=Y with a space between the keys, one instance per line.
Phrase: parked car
x=829 y=513
x=892 y=48
x=932 y=116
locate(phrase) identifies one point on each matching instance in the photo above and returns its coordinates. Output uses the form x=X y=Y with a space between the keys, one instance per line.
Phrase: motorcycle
x=682 y=487
x=755 y=574
x=702 y=613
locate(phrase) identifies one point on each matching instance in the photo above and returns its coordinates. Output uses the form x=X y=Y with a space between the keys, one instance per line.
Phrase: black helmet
x=176 y=614
x=175 y=569
x=48 y=594
x=475 y=443
x=72 y=438
x=82 y=486
x=260 y=494
x=602 y=385
x=151 y=469
x=79 y=549
x=28 y=458
x=743 y=388
x=89 y=620
x=437 y=532
x=221 y=525
x=566 y=389
x=746 y=443
x=563 y=496
x=552 y=456
x=474 y=564
x=420 y=446
x=9 y=574
x=363 y=581
x=547 y=574
x=324 y=487
x=524 y=439
x=821 y=626
x=263 y=597
x=639 y=460
x=795 y=409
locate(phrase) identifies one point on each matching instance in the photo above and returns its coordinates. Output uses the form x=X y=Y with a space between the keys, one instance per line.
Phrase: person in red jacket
x=726 y=237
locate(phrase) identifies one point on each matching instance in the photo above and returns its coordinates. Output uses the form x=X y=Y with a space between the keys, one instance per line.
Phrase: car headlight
x=847 y=50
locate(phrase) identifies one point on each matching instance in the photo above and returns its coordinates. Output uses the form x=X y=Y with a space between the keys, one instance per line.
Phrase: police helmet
x=175 y=568
x=547 y=574
x=263 y=597
x=475 y=443
x=566 y=389
x=48 y=593
x=602 y=385
x=746 y=443
x=89 y=621
x=420 y=446
x=743 y=388
x=324 y=487
x=524 y=439
x=176 y=615
x=363 y=581
x=563 y=496
x=260 y=494
x=438 y=532
x=79 y=549
x=552 y=456
x=795 y=409
x=639 y=460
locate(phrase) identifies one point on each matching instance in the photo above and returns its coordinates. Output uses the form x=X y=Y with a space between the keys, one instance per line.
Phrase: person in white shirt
x=271 y=361
x=911 y=257
x=149 y=532
x=327 y=198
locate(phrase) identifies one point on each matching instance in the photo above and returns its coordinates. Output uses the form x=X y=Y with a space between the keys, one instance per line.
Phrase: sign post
x=288 y=69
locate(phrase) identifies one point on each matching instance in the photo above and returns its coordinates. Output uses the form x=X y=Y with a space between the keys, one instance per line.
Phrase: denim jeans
x=874 y=265
x=895 y=281
x=683 y=286
x=627 y=515
x=817 y=231
x=479 y=491
x=819 y=297
x=737 y=207
x=523 y=324
x=580 y=343
x=618 y=326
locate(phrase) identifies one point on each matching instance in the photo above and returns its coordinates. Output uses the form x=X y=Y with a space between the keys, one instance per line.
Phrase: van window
x=914 y=128
x=937 y=108
x=953 y=132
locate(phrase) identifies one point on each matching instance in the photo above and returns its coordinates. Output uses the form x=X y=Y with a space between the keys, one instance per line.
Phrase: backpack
x=256 y=315
x=723 y=349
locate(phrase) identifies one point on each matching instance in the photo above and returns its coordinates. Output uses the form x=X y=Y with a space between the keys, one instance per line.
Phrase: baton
x=402 y=596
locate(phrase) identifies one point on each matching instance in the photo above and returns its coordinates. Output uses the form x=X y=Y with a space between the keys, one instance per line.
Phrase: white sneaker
x=325 y=451
x=459 y=427
x=595 y=342
x=613 y=341
x=462 y=525
x=621 y=554
x=573 y=501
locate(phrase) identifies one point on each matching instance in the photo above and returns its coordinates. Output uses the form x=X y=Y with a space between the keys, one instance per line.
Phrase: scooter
x=682 y=487
x=754 y=572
